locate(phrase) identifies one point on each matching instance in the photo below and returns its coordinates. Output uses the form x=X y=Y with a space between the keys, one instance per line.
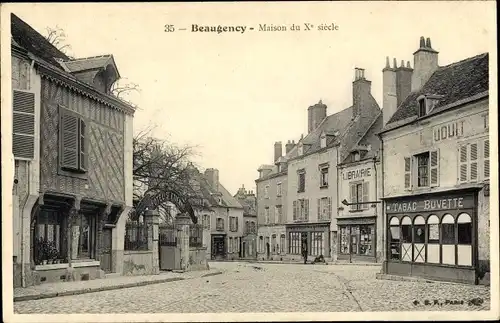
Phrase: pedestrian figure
x=304 y=253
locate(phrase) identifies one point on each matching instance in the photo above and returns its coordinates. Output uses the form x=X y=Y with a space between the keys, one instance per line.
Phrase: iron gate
x=169 y=254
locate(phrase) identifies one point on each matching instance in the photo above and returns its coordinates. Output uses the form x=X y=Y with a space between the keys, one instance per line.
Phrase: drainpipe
x=376 y=197
x=384 y=218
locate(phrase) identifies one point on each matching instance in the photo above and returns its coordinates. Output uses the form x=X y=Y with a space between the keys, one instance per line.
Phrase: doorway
x=243 y=249
x=218 y=247
x=268 y=250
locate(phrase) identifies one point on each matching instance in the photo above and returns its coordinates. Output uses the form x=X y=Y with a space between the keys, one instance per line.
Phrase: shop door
x=219 y=248
x=106 y=243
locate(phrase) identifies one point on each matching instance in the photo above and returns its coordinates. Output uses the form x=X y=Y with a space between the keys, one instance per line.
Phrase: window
x=394 y=238
x=266 y=215
x=220 y=224
x=356 y=156
x=261 y=244
x=294 y=245
x=359 y=194
x=323 y=141
x=230 y=245
x=301 y=210
x=282 y=243
x=233 y=224
x=423 y=169
x=279 y=214
x=486 y=121
x=278 y=189
x=474 y=161
x=23 y=124
x=247 y=227
x=316 y=243
x=49 y=237
x=324 y=208
x=206 y=221
x=302 y=182
x=83 y=237
x=274 y=247
x=422 y=109
x=323 y=177
x=73 y=151
x=266 y=192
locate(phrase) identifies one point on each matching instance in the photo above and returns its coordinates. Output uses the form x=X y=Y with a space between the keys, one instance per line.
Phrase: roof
x=227 y=199
x=339 y=121
x=28 y=38
x=90 y=63
x=370 y=139
x=454 y=82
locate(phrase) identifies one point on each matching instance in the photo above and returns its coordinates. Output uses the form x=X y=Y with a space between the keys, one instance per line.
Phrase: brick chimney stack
x=278 y=150
x=361 y=91
x=315 y=114
x=289 y=146
x=396 y=86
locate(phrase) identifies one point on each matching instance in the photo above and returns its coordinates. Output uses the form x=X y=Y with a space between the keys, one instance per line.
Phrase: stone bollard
x=182 y=222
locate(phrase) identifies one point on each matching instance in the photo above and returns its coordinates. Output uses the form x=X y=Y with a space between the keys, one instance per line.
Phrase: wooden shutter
x=407 y=173
x=294 y=210
x=320 y=216
x=83 y=148
x=486 y=159
x=353 y=198
x=434 y=168
x=330 y=208
x=69 y=140
x=306 y=209
x=236 y=224
x=473 y=162
x=366 y=195
x=23 y=124
x=463 y=164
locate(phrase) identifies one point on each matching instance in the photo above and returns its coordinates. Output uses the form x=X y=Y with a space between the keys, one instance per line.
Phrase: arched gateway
x=152 y=201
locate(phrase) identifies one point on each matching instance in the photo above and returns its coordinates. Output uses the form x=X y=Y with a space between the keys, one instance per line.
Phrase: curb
x=94 y=290
x=326 y=264
x=212 y=274
x=417 y=279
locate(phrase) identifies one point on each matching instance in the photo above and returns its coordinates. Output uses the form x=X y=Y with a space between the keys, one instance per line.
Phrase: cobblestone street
x=248 y=287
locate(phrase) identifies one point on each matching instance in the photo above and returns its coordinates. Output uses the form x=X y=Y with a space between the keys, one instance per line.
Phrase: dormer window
x=422 y=107
x=356 y=156
x=323 y=140
x=300 y=149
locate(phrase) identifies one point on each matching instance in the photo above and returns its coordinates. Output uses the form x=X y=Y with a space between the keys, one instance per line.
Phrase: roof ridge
x=90 y=57
x=465 y=60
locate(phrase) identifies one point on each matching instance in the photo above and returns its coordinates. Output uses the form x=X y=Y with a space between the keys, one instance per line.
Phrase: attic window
x=356 y=156
x=300 y=149
x=422 y=107
x=323 y=141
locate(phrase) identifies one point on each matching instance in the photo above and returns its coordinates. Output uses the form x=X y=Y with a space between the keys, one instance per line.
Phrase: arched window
x=394 y=239
x=464 y=247
x=433 y=248
x=419 y=239
x=406 y=239
x=448 y=239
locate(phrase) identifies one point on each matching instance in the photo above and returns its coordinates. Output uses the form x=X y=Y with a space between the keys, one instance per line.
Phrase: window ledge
x=357 y=211
x=51 y=267
x=323 y=186
x=87 y=263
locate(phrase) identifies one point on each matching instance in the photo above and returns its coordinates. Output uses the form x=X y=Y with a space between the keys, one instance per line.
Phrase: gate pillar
x=182 y=222
x=152 y=219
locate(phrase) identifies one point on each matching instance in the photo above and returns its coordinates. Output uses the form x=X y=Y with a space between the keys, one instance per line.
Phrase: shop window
x=464 y=247
x=394 y=238
x=406 y=239
x=419 y=239
x=433 y=248
x=448 y=240
x=344 y=240
x=317 y=243
x=294 y=243
x=49 y=235
x=83 y=237
x=366 y=240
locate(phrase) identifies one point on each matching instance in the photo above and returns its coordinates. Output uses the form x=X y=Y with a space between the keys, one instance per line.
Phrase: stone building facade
x=249 y=241
x=436 y=171
x=72 y=145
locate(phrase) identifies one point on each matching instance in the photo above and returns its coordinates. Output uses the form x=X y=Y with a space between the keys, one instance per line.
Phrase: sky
x=232 y=95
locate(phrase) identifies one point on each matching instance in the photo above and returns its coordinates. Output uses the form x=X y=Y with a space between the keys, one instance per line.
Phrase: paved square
x=247 y=287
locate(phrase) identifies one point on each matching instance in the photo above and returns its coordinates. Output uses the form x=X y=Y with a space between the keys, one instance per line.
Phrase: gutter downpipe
x=376 y=197
x=384 y=218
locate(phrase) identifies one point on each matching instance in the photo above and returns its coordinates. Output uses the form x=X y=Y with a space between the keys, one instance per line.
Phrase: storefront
x=316 y=237
x=433 y=236
x=357 y=239
x=218 y=247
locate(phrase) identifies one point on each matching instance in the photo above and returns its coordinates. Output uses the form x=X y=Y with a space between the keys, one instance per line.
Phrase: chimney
x=396 y=87
x=361 y=90
x=289 y=146
x=316 y=114
x=277 y=150
x=425 y=62
x=212 y=176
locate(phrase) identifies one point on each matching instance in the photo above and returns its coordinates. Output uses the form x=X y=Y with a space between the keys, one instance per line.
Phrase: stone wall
x=197 y=258
x=138 y=263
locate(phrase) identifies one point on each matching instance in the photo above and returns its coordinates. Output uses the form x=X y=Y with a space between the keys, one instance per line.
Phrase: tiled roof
x=227 y=199
x=371 y=139
x=28 y=38
x=454 y=82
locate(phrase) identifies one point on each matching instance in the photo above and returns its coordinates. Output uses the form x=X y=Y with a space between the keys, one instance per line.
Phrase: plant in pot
x=52 y=252
x=42 y=251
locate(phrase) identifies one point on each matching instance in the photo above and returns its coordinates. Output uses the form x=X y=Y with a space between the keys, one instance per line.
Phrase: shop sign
x=357 y=174
x=416 y=204
x=449 y=131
